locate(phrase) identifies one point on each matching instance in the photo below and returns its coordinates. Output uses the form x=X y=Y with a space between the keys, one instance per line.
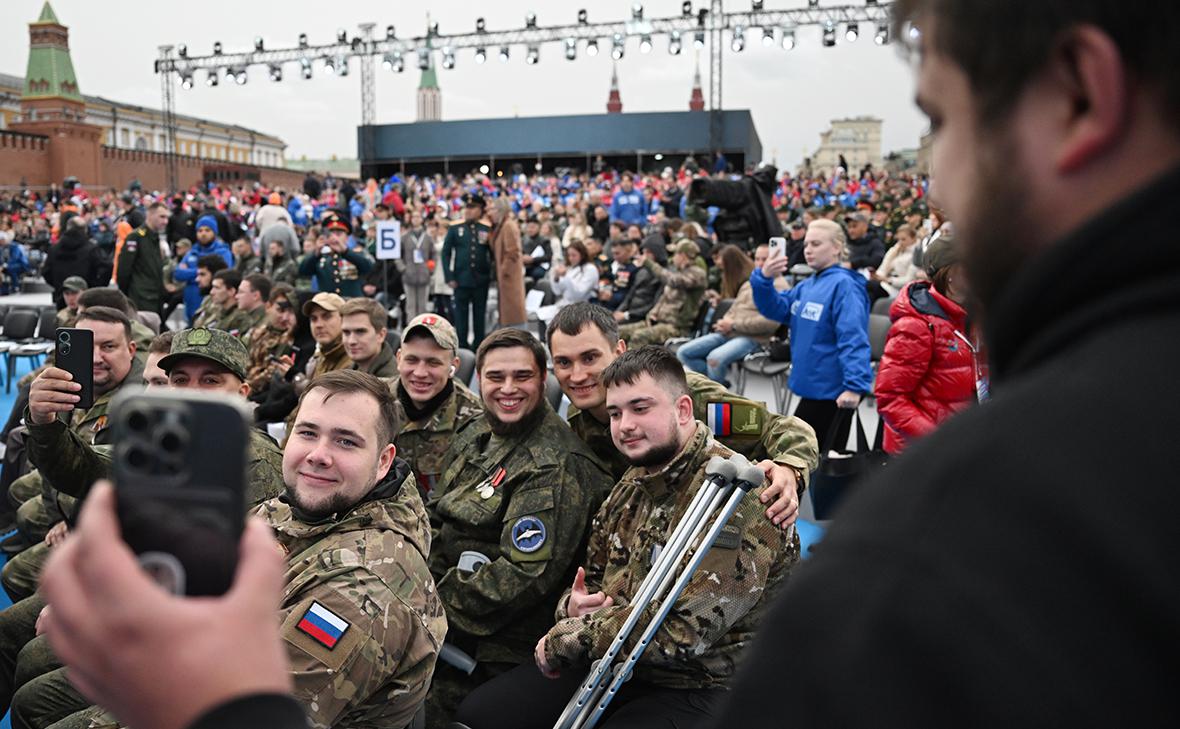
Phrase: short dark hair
x=967 y=33
x=377 y=314
x=107 y=314
x=212 y=262
x=230 y=278
x=157 y=205
x=162 y=343
x=281 y=290
x=260 y=282
x=572 y=319
x=507 y=338
x=355 y=381
x=106 y=297
x=653 y=360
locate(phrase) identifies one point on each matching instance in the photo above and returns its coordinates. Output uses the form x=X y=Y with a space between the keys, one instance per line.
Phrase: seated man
x=220 y=310
x=204 y=359
x=272 y=338
x=675 y=310
x=363 y=329
x=361 y=620
x=584 y=340
x=432 y=406
x=251 y=297
x=509 y=517
x=684 y=672
x=323 y=312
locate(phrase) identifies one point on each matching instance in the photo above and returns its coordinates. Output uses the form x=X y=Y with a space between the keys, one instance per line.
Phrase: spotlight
x=481 y=55
x=829 y=34
x=186 y=81
x=303 y=40
x=182 y=50
x=330 y=64
x=530 y=20
x=591 y=48
x=483 y=169
x=882 y=36
x=914 y=33
x=852 y=32
x=674 y=43
x=571 y=49
x=217 y=48
x=423 y=59
x=448 y=58
x=768 y=37
x=240 y=77
x=258 y=43
x=356 y=43
x=739 y=39
x=686 y=8
x=399 y=62
x=341 y=35
x=341 y=66
x=480 y=25
x=756 y=5
x=582 y=17
x=276 y=73
x=636 y=12
x=305 y=65
x=788 y=39
x=617 y=47
x=533 y=56
x=211 y=78
x=813 y=3
x=387 y=62
x=503 y=54
x=645 y=44
x=698 y=40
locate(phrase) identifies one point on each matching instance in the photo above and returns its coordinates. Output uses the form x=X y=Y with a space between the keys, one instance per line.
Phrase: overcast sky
x=792 y=95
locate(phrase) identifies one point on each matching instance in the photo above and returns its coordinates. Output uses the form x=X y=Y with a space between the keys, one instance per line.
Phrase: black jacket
x=866 y=252
x=641 y=296
x=1017 y=568
x=74 y=255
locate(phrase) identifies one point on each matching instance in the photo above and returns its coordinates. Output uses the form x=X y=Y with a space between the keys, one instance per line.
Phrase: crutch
x=719 y=473
x=749 y=477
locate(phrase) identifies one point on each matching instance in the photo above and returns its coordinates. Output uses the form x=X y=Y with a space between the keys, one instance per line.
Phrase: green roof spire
x=429 y=78
x=50 y=71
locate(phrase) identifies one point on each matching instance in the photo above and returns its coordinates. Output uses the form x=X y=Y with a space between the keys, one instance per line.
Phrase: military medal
x=487 y=487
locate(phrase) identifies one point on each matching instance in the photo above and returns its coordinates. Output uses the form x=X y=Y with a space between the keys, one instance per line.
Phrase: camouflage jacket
x=360 y=616
x=210 y=315
x=67 y=317
x=423 y=443
x=710 y=625
x=742 y=425
x=265 y=341
x=509 y=518
x=241 y=322
x=683 y=289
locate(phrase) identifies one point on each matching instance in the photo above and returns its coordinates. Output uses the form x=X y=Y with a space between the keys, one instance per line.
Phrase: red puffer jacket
x=927 y=371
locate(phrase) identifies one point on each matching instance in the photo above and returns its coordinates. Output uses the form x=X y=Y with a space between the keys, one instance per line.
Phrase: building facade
x=857 y=139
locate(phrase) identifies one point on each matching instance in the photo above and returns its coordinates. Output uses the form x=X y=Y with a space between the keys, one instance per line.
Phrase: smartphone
x=75 y=354
x=778 y=244
x=180 y=473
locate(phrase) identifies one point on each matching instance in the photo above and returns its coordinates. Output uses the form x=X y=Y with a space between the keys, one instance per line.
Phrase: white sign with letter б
x=389 y=239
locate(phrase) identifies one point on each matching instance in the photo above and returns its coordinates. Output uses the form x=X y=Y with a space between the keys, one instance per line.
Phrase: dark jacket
x=867 y=252
x=1018 y=567
x=74 y=255
x=642 y=295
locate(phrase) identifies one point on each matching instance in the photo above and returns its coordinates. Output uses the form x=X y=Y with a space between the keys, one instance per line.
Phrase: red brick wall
x=24 y=156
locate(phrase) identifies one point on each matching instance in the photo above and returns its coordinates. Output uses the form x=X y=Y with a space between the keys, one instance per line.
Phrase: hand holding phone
x=778 y=247
x=74 y=353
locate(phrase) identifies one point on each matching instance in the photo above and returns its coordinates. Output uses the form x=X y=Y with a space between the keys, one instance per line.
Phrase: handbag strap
x=851 y=416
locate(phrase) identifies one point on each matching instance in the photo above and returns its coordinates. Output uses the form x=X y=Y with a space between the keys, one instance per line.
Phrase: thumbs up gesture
x=582 y=602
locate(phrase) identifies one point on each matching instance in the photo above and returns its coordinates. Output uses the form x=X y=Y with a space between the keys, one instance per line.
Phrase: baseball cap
x=75 y=283
x=688 y=248
x=212 y=344
x=324 y=300
x=941 y=253
x=437 y=327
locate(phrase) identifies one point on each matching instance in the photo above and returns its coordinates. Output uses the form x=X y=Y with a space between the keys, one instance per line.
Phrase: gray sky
x=792 y=95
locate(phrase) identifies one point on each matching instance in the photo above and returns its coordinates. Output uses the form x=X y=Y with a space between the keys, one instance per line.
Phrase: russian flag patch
x=720 y=418
x=323 y=625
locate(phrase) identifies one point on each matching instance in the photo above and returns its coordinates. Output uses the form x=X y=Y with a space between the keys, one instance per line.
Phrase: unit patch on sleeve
x=323 y=625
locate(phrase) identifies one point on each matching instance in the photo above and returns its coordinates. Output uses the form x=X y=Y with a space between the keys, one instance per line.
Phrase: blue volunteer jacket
x=188 y=275
x=828 y=315
x=628 y=207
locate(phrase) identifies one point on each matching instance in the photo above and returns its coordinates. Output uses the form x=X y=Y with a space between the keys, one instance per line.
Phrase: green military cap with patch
x=212 y=344
x=74 y=283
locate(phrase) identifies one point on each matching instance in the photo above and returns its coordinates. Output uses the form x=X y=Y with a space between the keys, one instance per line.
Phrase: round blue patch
x=528 y=534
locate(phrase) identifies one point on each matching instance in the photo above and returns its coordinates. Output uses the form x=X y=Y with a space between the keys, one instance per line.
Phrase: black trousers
x=524 y=699
x=471 y=306
x=821 y=415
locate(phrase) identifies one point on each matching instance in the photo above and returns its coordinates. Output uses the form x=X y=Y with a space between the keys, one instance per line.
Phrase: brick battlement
x=21 y=140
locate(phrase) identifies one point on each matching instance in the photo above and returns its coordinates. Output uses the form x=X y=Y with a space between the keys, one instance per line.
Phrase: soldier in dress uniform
x=336 y=267
x=467 y=267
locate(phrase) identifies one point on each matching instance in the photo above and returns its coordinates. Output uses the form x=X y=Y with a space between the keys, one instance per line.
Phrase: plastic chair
x=466 y=366
x=878 y=331
x=19 y=327
x=881 y=306
x=760 y=363
x=703 y=323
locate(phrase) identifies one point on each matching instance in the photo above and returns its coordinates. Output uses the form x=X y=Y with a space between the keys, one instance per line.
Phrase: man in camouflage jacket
x=675 y=310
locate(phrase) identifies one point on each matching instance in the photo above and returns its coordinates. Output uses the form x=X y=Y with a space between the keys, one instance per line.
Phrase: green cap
x=74 y=283
x=213 y=344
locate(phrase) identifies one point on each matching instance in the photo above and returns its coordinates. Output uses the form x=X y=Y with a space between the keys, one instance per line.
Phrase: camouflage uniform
x=265 y=341
x=744 y=426
x=423 y=443
x=366 y=569
x=67 y=317
x=213 y=316
x=674 y=312
x=241 y=322
x=714 y=620
x=509 y=517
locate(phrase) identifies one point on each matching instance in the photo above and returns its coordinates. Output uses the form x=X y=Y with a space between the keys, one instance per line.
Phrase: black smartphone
x=180 y=471
x=75 y=354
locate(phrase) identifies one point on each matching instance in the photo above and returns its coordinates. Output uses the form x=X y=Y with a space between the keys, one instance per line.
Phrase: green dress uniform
x=338 y=273
x=141 y=268
x=744 y=426
x=509 y=519
x=467 y=260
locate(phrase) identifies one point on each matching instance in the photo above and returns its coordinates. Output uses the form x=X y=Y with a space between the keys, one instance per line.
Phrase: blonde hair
x=836 y=232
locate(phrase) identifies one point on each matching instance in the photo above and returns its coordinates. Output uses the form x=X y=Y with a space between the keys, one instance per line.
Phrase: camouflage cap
x=324 y=300
x=213 y=344
x=437 y=327
x=688 y=248
x=75 y=283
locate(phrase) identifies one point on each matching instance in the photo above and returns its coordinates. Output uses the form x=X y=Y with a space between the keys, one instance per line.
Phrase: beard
x=659 y=455
x=335 y=504
x=526 y=424
x=996 y=228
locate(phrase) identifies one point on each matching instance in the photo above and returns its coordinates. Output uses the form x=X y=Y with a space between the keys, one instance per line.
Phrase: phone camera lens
x=171 y=441
x=137 y=421
x=137 y=458
x=65 y=349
